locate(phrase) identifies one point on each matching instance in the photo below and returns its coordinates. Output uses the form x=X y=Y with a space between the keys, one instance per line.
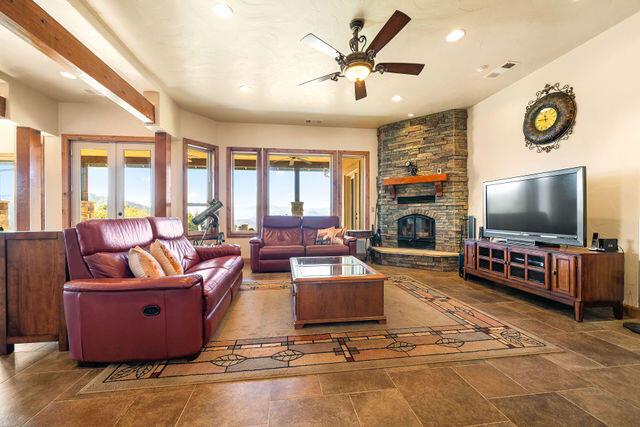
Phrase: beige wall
x=604 y=74
x=28 y=107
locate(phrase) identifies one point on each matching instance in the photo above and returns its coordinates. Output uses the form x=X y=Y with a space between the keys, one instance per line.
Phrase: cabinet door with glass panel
x=111 y=180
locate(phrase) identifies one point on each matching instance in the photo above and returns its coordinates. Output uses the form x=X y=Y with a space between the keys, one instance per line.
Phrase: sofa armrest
x=133 y=284
x=210 y=252
x=352 y=243
x=257 y=241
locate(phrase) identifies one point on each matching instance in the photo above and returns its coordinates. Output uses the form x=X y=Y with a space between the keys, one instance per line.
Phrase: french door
x=111 y=180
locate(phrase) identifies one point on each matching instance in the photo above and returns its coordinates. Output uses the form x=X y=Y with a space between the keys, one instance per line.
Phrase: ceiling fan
x=360 y=63
x=294 y=159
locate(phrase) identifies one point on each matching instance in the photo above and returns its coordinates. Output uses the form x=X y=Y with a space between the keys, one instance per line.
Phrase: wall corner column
x=162 y=173
x=29 y=179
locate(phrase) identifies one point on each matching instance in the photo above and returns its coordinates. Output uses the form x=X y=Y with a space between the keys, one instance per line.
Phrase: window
x=244 y=173
x=200 y=181
x=354 y=167
x=7 y=191
x=300 y=184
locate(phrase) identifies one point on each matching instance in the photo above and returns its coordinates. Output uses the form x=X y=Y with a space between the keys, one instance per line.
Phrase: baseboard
x=632 y=311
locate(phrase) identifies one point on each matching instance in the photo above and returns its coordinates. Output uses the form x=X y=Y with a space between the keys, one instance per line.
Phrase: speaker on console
x=471 y=227
x=481 y=233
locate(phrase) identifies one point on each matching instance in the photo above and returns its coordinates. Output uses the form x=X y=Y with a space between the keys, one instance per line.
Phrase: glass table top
x=329 y=267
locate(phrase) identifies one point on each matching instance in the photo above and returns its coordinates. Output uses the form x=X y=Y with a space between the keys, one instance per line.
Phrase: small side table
x=361 y=234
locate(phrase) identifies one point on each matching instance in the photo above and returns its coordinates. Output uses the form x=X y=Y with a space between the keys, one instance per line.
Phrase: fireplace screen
x=417 y=231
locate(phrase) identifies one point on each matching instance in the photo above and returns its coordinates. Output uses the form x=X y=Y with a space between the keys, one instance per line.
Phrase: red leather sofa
x=112 y=316
x=284 y=237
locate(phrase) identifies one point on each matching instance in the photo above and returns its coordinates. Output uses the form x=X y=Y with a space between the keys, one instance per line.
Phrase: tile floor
x=595 y=382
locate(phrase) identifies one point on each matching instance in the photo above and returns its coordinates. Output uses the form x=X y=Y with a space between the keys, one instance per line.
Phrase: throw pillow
x=142 y=264
x=325 y=236
x=338 y=236
x=166 y=259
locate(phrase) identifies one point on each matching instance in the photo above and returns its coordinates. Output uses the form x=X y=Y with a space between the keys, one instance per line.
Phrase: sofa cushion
x=232 y=263
x=327 y=250
x=183 y=250
x=309 y=236
x=281 y=236
x=281 y=252
x=143 y=264
x=113 y=235
x=114 y=265
x=167 y=259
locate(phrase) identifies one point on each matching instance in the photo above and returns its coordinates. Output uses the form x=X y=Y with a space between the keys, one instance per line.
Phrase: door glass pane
x=352 y=178
x=245 y=192
x=299 y=184
x=137 y=183
x=94 y=184
x=199 y=184
x=315 y=186
x=7 y=194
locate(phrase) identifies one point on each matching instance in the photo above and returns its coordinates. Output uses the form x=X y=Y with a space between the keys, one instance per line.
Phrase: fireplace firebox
x=417 y=231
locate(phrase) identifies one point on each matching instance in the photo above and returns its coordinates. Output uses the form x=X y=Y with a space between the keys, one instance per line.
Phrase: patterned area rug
x=461 y=333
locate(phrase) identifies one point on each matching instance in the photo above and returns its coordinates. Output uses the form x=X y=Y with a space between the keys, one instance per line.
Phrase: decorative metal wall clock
x=549 y=118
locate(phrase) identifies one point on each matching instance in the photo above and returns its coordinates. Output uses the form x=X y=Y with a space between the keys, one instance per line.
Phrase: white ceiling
x=202 y=59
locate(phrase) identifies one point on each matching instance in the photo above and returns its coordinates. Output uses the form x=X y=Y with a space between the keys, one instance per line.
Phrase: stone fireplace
x=424 y=215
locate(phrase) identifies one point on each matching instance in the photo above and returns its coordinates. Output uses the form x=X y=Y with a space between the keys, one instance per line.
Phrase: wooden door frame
x=185 y=184
x=366 y=180
x=65 y=148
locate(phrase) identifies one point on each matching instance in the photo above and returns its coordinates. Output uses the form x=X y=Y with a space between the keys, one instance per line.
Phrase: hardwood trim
x=65 y=149
x=185 y=184
x=629 y=310
x=5 y=346
x=29 y=174
x=367 y=184
x=3 y=106
x=415 y=179
x=29 y=21
x=162 y=174
x=259 y=184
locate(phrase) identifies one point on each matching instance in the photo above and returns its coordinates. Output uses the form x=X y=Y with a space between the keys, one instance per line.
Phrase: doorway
x=111 y=180
x=353 y=191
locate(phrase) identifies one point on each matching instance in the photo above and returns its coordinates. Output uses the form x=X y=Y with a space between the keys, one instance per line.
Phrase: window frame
x=259 y=190
x=212 y=151
x=341 y=154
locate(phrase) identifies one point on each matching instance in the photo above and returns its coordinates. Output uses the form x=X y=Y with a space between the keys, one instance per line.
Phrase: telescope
x=210 y=217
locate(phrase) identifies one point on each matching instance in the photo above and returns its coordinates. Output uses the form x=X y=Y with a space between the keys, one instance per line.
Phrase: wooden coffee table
x=335 y=289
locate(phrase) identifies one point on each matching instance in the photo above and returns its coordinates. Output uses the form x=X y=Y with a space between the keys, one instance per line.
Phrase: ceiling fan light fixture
x=456 y=35
x=357 y=71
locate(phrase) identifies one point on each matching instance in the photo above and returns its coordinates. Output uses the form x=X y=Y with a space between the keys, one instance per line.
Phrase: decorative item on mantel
x=549 y=118
x=412 y=168
x=437 y=179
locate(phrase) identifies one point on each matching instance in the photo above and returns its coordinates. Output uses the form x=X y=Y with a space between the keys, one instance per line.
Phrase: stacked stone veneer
x=434 y=141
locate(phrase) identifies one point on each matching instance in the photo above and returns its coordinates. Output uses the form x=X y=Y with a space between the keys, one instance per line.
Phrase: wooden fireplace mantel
x=437 y=179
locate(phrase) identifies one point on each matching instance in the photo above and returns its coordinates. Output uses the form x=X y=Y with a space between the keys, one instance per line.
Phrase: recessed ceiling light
x=245 y=88
x=68 y=75
x=410 y=115
x=455 y=35
x=396 y=98
x=223 y=10
x=482 y=68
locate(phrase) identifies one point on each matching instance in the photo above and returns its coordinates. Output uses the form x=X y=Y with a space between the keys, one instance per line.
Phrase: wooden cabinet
x=572 y=276
x=32 y=273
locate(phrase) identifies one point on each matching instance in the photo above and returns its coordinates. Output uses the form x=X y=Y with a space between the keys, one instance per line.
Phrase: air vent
x=501 y=70
x=313 y=122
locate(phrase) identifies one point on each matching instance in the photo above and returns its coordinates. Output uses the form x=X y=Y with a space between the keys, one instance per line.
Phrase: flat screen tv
x=548 y=207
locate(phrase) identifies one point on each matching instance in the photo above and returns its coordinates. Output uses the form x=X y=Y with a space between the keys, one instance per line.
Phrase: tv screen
x=545 y=207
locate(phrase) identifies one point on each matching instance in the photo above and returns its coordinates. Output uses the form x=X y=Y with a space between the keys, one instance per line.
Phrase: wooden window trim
x=65 y=148
x=186 y=142
x=367 y=180
x=260 y=189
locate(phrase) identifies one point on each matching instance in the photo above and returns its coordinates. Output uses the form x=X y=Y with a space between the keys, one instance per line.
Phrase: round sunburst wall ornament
x=549 y=118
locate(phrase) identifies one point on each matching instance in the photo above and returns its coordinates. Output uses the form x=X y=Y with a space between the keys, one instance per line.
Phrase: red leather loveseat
x=284 y=237
x=112 y=316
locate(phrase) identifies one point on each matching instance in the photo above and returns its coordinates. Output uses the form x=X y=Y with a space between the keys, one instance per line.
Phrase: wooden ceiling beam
x=29 y=21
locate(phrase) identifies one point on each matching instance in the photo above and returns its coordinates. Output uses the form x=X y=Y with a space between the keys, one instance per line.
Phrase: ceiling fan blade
x=316 y=42
x=332 y=76
x=402 y=68
x=361 y=89
x=393 y=26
